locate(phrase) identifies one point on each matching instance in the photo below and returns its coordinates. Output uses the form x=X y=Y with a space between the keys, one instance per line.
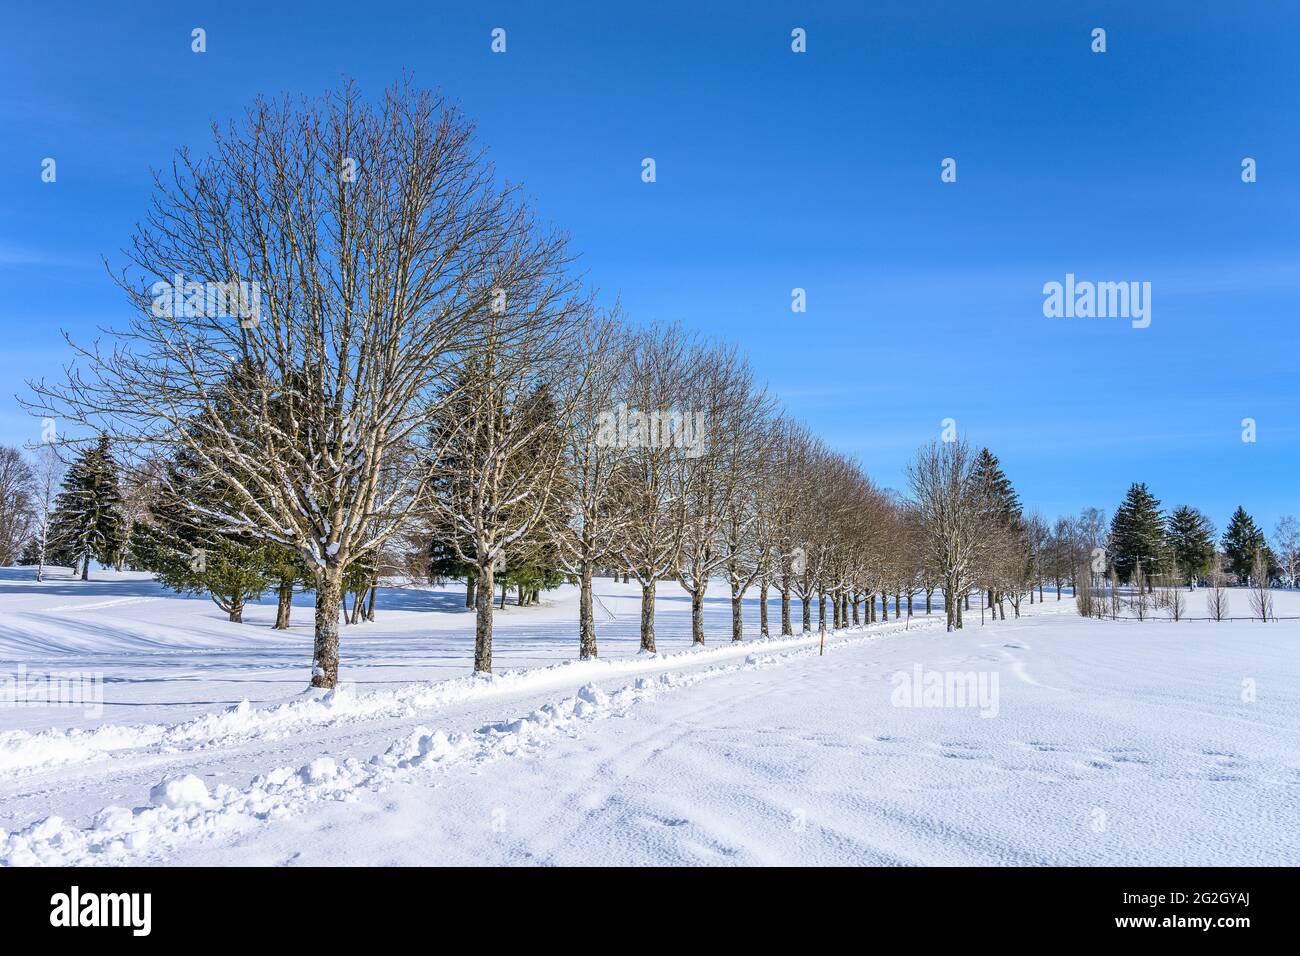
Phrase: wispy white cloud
x=14 y=255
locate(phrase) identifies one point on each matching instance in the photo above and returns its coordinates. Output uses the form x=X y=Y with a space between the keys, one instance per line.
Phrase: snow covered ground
x=1079 y=741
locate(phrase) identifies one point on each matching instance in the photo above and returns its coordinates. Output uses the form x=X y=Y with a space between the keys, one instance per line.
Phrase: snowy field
x=1080 y=742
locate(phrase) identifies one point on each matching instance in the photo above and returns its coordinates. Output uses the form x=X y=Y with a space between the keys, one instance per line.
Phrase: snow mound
x=182 y=791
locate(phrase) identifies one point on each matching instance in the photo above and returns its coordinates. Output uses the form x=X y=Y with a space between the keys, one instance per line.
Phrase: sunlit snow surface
x=1113 y=742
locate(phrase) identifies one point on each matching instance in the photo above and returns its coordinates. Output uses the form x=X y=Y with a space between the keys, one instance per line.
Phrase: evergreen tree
x=1241 y=542
x=181 y=540
x=1137 y=534
x=1191 y=543
x=31 y=551
x=359 y=578
x=87 y=520
x=995 y=488
x=287 y=570
x=190 y=553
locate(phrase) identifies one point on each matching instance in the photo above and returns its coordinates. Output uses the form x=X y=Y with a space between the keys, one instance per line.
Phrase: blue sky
x=775 y=171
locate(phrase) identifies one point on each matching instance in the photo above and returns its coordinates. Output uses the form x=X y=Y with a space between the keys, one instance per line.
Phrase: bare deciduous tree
x=370 y=241
x=717 y=390
x=1287 y=538
x=745 y=453
x=1216 y=599
x=594 y=516
x=651 y=481
x=17 y=504
x=946 y=502
x=505 y=457
x=1261 y=597
x=47 y=477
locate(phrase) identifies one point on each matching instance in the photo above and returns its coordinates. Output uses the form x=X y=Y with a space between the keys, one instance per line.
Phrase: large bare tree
x=648 y=423
x=335 y=260
x=18 y=499
x=505 y=457
x=593 y=515
x=950 y=511
x=745 y=453
x=47 y=469
x=723 y=395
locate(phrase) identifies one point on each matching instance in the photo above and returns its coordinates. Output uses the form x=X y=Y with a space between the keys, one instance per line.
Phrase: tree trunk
x=762 y=609
x=928 y=595
x=483 y=621
x=469 y=590
x=786 y=629
x=737 y=623
x=370 y=609
x=285 y=604
x=237 y=610
x=807 y=614
x=586 y=621
x=325 y=655
x=697 y=616
x=884 y=606
x=648 y=617
x=85 y=568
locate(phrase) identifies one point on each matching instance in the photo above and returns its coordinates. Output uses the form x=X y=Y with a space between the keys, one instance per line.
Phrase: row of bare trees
x=971 y=534
x=1167 y=594
x=650 y=453
x=416 y=358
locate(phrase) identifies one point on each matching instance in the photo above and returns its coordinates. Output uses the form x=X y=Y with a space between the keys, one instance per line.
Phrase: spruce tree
x=995 y=488
x=1241 y=542
x=1191 y=543
x=1137 y=534
x=191 y=553
x=182 y=540
x=87 y=520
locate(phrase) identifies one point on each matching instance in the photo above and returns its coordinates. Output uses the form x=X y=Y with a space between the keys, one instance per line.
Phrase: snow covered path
x=1150 y=757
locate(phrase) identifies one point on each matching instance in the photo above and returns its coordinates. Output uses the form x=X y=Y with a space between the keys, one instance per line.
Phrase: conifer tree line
x=429 y=390
x=1158 y=554
x=1184 y=546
